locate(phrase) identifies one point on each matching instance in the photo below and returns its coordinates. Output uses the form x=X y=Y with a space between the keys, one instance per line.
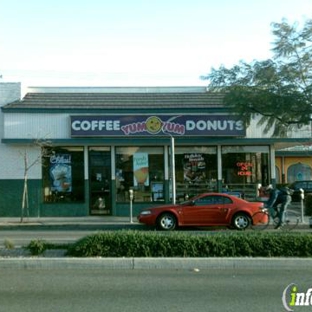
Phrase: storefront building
x=86 y=148
x=294 y=164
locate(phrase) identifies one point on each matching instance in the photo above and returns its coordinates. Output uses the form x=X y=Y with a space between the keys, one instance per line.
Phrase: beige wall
x=289 y=161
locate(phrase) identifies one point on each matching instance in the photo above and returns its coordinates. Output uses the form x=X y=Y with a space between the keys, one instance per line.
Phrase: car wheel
x=241 y=221
x=167 y=222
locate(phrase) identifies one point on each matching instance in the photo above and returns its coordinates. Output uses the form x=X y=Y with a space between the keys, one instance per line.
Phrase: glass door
x=100 y=180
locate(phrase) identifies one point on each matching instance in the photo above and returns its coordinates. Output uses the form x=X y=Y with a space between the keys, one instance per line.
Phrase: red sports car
x=210 y=209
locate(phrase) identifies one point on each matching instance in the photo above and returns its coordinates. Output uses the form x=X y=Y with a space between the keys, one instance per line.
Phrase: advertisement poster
x=140 y=169
x=61 y=173
x=194 y=167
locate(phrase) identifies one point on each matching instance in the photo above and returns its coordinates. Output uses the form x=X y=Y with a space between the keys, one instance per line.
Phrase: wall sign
x=244 y=168
x=144 y=125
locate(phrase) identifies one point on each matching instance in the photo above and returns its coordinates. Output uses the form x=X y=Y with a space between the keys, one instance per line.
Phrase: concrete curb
x=155 y=263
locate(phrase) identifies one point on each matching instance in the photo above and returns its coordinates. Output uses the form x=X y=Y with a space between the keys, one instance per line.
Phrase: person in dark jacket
x=277 y=197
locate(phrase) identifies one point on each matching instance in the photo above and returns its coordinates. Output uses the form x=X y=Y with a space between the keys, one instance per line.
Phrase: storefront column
x=86 y=163
x=283 y=170
x=86 y=178
x=219 y=164
x=272 y=167
x=113 y=181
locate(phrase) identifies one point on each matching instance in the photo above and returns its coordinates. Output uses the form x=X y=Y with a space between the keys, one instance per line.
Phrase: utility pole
x=173 y=178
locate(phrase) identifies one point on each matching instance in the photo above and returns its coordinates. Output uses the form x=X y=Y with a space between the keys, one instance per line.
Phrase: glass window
x=213 y=200
x=298 y=172
x=203 y=201
x=277 y=175
x=243 y=167
x=140 y=169
x=196 y=170
x=63 y=175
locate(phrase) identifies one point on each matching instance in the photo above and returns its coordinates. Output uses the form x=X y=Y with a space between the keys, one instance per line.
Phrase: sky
x=135 y=42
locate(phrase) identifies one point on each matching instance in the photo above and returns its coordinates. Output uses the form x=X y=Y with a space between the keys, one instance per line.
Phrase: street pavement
x=89 y=223
x=88 y=288
x=69 y=220
x=98 y=222
x=70 y=223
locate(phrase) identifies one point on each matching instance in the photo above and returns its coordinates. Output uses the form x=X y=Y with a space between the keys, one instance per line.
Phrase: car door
x=207 y=210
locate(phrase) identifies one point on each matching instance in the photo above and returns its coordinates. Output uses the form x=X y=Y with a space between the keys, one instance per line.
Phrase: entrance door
x=100 y=180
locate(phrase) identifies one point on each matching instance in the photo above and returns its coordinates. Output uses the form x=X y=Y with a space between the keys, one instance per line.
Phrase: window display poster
x=140 y=169
x=157 y=191
x=61 y=173
x=194 y=167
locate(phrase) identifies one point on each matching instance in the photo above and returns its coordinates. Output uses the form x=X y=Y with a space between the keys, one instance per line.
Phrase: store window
x=299 y=172
x=63 y=175
x=196 y=170
x=277 y=175
x=140 y=169
x=243 y=167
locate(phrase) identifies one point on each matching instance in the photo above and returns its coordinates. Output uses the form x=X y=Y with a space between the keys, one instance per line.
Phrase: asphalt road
x=100 y=289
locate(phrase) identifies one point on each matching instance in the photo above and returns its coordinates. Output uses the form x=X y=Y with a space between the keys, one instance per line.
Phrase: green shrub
x=177 y=244
x=37 y=247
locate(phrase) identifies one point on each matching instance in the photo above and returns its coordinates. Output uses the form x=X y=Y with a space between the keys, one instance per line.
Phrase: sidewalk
x=67 y=220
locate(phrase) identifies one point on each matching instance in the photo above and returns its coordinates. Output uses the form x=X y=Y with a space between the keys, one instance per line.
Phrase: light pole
x=131 y=202
x=302 y=201
x=173 y=178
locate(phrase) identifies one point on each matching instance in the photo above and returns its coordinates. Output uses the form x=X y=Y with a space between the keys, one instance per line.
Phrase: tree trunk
x=25 y=199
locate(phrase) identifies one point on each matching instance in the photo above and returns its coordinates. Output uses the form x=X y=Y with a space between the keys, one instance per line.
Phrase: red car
x=210 y=209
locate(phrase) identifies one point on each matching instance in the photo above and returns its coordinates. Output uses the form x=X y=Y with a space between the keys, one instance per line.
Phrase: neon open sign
x=244 y=168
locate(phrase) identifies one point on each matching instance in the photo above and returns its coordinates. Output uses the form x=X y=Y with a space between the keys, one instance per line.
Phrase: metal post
x=302 y=206
x=173 y=177
x=131 y=200
x=272 y=167
x=219 y=169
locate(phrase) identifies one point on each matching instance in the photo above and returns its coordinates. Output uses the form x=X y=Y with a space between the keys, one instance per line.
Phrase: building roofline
x=146 y=89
